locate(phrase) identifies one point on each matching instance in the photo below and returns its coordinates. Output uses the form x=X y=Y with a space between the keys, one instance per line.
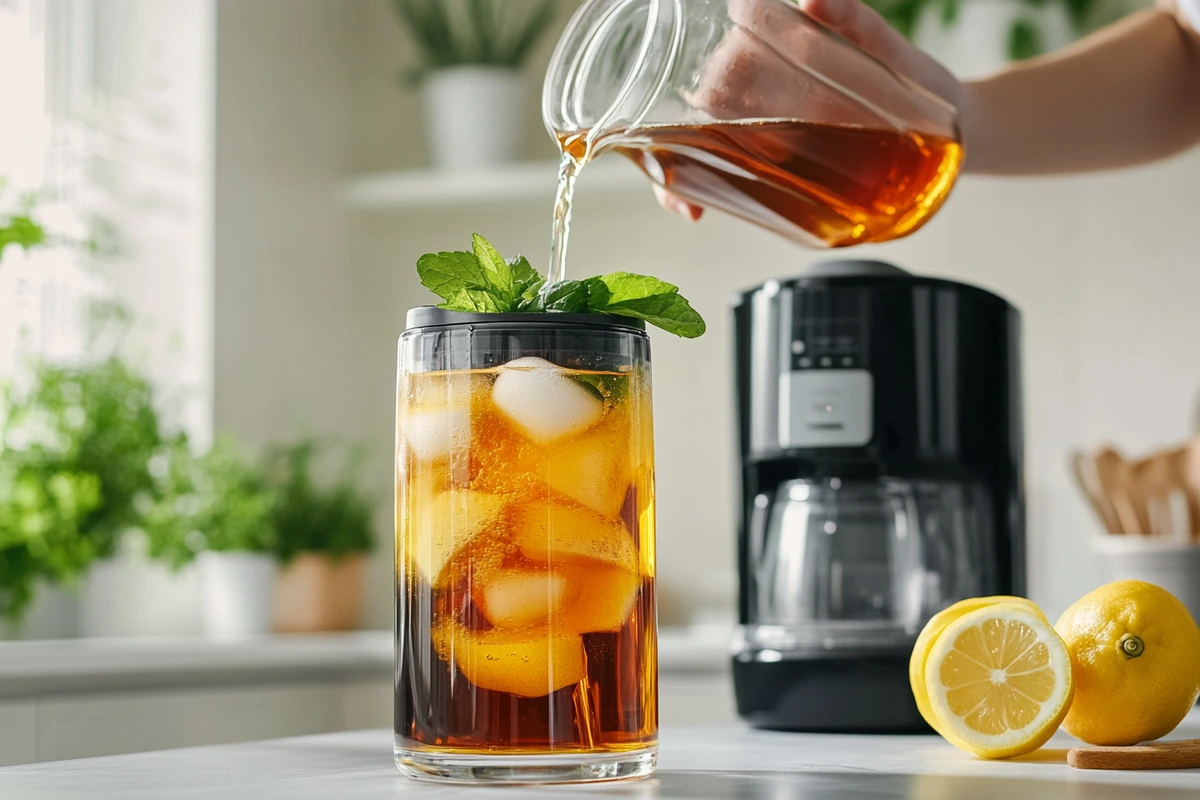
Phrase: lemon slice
x=933 y=629
x=998 y=681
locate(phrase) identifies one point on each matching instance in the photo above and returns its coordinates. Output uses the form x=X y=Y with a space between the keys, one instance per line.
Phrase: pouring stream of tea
x=574 y=154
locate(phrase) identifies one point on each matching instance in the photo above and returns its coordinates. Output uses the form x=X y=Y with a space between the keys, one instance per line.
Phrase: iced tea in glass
x=526 y=646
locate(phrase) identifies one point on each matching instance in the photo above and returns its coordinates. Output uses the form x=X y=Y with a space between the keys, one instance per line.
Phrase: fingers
x=677 y=205
x=859 y=23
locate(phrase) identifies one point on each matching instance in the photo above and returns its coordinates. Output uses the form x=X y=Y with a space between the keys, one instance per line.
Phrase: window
x=43 y=78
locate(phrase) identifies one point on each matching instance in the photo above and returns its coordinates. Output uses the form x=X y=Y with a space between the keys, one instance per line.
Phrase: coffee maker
x=880 y=432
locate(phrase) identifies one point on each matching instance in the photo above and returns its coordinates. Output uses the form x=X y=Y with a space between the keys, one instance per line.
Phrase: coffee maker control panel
x=826 y=343
x=825 y=408
x=825 y=389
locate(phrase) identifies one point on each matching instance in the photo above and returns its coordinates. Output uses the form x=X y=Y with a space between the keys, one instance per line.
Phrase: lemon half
x=933 y=629
x=998 y=681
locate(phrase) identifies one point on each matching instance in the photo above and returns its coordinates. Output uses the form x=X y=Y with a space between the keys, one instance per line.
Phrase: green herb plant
x=484 y=281
x=334 y=521
x=219 y=501
x=75 y=448
x=18 y=226
x=455 y=33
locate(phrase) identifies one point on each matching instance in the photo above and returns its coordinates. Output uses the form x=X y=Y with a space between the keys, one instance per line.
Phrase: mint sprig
x=483 y=281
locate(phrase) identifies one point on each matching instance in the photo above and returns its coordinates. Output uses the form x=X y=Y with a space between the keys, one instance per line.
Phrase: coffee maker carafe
x=880 y=440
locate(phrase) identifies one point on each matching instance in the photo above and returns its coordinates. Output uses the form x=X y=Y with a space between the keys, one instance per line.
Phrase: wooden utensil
x=1153 y=483
x=1183 y=754
x=1115 y=480
x=1084 y=468
x=1181 y=460
x=1192 y=481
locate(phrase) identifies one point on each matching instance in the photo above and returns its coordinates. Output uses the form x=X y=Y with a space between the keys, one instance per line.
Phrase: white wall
x=293 y=350
x=310 y=300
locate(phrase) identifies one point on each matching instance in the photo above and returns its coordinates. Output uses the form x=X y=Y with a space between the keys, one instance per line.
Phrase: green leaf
x=476 y=300
x=524 y=275
x=1024 y=41
x=567 y=296
x=484 y=282
x=624 y=286
x=448 y=274
x=606 y=388
x=496 y=270
x=598 y=295
x=671 y=312
x=649 y=299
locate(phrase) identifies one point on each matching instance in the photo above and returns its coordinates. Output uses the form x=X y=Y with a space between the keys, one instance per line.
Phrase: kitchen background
x=267 y=169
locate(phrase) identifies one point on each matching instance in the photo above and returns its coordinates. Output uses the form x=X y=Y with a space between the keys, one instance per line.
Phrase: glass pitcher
x=754 y=108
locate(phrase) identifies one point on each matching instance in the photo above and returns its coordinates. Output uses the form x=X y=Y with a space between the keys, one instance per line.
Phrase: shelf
x=523 y=182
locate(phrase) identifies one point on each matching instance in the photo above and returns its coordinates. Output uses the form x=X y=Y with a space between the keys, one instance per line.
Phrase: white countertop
x=695 y=763
x=78 y=665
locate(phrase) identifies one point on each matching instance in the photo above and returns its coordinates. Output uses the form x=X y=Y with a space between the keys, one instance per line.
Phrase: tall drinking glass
x=526 y=641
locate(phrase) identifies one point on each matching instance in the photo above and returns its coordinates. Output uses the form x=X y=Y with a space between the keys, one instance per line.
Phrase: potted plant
x=75 y=443
x=471 y=53
x=324 y=534
x=217 y=509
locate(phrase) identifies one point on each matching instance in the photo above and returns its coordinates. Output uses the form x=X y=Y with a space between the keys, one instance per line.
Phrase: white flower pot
x=1175 y=566
x=976 y=43
x=236 y=590
x=474 y=116
x=54 y=614
x=129 y=595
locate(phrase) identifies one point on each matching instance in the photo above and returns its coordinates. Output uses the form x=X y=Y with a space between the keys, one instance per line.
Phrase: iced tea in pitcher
x=526 y=646
x=756 y=109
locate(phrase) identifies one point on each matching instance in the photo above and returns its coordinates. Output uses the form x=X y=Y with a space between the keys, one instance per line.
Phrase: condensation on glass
x=526 y=642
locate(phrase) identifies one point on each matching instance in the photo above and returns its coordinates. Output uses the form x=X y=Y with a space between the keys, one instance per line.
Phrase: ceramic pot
x=316 y=594
x=236 y=593
x=474 y=116
x=1175 y=566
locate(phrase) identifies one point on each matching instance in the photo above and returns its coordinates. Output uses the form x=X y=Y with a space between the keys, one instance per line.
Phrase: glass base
x=526 y=769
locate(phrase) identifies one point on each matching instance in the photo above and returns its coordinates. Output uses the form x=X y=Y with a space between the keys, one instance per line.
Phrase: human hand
x=853 y=20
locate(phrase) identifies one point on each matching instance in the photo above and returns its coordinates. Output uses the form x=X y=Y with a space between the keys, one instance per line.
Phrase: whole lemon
x=1135 y=659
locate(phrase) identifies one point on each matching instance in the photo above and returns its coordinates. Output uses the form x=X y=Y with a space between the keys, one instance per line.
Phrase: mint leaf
x=649 y=299
x=477 y=300
x=598 y=294
x=526 y=283
x=671 y=312
x=496 y=270
x=628 y=286
x=483 y=282
x=448 y=274
x=524 y=275
x=567 y=296
x=606 y=388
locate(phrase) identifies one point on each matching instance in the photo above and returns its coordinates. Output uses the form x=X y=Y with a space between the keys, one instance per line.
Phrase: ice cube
x=524 y=598
x=554 y=532
x=441 y=526
x=594 y=470
x=607 y=595
x=525 y=664
x=542 y=402
x=433 y=433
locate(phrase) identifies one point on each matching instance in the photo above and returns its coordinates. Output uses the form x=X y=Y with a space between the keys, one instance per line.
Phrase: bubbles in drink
x=433 y=433
x=525 y=536
x=595 y=470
